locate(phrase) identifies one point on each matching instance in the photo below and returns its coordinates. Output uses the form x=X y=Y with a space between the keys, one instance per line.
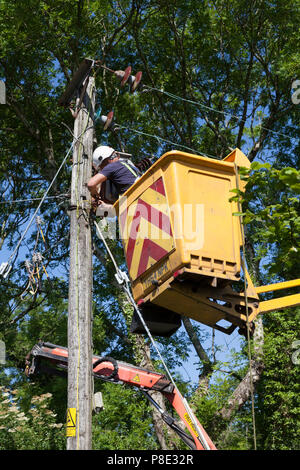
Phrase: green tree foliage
x=125 y=422
x=278 y=392
x=272 y=218
x=35 y=429
x=216 y=75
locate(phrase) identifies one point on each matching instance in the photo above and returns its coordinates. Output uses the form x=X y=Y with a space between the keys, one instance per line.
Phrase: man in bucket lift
x=112 y=168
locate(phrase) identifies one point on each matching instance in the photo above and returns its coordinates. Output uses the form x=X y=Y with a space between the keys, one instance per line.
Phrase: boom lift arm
x=53 y=359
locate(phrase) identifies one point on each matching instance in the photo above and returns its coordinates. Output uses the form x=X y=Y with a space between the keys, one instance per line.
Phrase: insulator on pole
x=107 y=120
x=125 y=77
x=134 y=81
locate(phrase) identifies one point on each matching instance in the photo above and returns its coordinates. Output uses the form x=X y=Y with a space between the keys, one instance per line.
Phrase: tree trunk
x=202 y=388
x=243 y=391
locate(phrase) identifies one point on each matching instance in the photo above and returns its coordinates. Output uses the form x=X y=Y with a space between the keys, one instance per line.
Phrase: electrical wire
x=123 y=281
x=9 y=264
x=209 y=108
x=16 y=201
x=205 y=107
x=247 y=311
x=198 y=104
x=156 y=137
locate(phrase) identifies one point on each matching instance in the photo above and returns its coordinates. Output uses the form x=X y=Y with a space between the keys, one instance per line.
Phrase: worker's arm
x=94 y=182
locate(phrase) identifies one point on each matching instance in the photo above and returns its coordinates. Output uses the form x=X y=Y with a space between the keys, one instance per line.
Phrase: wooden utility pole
x=79 y=418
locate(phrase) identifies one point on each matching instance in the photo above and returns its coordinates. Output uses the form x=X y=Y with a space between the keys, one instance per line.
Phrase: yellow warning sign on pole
x=71 y=422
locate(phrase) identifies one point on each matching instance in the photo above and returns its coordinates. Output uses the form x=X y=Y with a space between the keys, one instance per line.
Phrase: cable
x=37 y=263
x=61 y=196
x=167 y=141
x=9 y=264
x=247 y=311
x=124 y=282
x=209 y=108
x=199 y=104
x=6 y=267
x=195 y=103
x=171 y=422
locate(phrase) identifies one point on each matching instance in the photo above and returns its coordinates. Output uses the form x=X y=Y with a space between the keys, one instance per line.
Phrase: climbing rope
x=34 y=268
x=31 y=286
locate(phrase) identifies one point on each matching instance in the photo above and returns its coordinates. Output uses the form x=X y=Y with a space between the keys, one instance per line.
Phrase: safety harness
x=129 y=165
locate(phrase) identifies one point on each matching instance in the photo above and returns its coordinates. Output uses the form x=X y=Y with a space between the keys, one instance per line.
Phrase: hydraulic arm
x=52 y=359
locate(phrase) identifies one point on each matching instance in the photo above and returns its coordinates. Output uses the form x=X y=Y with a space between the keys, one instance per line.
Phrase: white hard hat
x=102 y=153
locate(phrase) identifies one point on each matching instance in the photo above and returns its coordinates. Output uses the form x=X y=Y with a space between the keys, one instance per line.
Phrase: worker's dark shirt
x=120 y=175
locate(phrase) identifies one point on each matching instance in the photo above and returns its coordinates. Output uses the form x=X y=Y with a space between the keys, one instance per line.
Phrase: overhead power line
x=16 y=201
x=7 y=266
x=194 y=103
x=209 y=108
x=167 y=141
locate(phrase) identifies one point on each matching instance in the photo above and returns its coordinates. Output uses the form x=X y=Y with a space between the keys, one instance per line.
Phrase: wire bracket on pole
x=121 y=277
